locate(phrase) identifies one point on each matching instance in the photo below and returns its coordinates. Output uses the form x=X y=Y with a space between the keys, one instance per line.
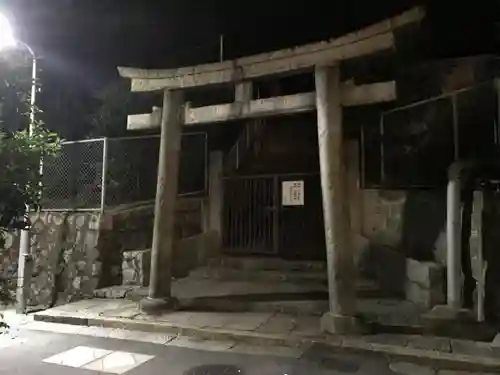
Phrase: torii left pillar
x=340 y=318
x=160 y=282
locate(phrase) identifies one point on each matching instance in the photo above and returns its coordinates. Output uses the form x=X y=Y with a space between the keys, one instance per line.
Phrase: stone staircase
x=274 y=271
x=291 y=287
x=262 y=269
x=252 y=284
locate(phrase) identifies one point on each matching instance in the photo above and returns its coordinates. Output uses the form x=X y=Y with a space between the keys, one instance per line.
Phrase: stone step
x=383 y=315
x=266 y=264
x=303 y=307
x=390 y=315
x=232 y=274
x=364 y=287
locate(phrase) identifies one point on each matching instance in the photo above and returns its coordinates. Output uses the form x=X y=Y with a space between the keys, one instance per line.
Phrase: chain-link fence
x=131 y=169
x=75 y=178
x=106 y=172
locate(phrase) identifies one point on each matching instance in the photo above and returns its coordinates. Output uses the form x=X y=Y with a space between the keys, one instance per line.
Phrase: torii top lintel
x=377 y=37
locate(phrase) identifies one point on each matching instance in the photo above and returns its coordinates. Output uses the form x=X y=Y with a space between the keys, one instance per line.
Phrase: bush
x=20 y=150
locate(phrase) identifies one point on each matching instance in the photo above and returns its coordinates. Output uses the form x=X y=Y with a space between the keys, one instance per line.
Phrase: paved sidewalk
x=275 y=329
x=57 y=349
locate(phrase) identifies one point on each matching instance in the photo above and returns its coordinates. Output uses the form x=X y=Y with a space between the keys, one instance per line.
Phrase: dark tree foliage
x=20 y=151
x=117 y=102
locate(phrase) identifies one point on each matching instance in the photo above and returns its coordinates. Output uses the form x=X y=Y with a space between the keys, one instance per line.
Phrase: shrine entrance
x=275 y=215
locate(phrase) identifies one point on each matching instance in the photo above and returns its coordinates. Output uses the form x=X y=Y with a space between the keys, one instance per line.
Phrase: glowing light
x=7 y=39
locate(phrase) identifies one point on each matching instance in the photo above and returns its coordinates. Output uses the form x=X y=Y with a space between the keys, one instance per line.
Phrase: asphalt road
x=27 y=352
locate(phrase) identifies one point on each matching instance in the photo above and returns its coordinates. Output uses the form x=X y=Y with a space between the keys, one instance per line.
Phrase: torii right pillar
x=340 y=318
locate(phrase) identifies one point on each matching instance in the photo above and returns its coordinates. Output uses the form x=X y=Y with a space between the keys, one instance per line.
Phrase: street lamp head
x=7 y=39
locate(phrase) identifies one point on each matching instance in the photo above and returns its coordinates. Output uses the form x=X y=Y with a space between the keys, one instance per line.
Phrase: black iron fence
x=258 y=219
x=415 y=144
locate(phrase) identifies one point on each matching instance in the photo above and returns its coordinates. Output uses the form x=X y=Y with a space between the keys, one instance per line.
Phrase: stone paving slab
x=286 y=298
x=259 y=329
x=278 y=324
x=438 y=344
x=245 y=321
x=307 y=326
x=161 y=339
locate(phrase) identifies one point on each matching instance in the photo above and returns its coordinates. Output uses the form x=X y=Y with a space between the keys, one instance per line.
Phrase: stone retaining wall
x=66 y=261
x=9 y=258
x=127 y=231
x=76 y=253
x=410 y=221
x=425 y=283
x=189 y=253
x=382 y=216
x=399 y=239
x=193 y=252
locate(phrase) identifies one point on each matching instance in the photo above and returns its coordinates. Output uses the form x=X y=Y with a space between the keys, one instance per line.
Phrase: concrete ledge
x=360 y=344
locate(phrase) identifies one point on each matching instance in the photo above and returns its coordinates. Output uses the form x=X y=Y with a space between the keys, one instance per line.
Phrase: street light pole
x=33 y=86
x=7 y=40
x=25 y=256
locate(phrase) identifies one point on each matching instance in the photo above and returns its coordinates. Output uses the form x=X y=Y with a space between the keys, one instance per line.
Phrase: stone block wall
x=412 y=222
x=425 y=284
x=75 y=253
x=382 y=216
x=66 y=261
x=398 y=237
x=193 y=252
x=136 y=267
x=403 y=247
x=123 y=230
x=189 y=253
x=126 y=231
x=9 y=259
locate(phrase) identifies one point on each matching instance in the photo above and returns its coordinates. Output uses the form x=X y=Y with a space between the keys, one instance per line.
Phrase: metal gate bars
x=258 y=220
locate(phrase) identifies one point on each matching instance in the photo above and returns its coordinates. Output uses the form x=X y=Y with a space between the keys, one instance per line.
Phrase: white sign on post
x=292 y=193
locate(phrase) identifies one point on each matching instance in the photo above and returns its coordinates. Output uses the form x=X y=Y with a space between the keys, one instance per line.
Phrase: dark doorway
x=258 y=219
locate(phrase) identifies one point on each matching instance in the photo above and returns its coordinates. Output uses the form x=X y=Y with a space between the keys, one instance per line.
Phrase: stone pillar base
x=340 y=324
x=154 y=306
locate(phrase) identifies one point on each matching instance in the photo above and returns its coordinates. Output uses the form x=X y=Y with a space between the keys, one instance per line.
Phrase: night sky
x=81 y=42
x=89 y=38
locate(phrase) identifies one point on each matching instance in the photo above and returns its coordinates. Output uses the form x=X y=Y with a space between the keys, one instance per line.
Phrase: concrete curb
x=355 y=344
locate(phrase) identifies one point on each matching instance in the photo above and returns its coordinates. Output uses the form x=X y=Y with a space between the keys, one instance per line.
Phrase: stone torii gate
x=331 y=95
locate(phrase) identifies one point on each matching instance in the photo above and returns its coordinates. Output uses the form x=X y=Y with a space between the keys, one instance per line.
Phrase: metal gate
x=255 y=221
